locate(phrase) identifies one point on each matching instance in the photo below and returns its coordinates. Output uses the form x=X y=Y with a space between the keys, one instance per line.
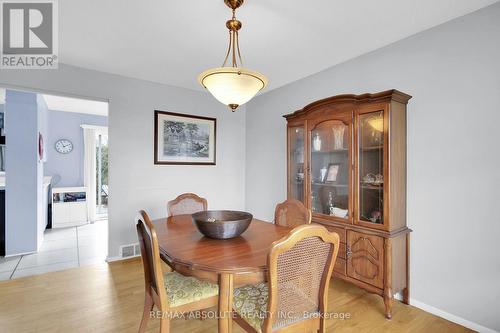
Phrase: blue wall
x=24 y=113
x=66 y=125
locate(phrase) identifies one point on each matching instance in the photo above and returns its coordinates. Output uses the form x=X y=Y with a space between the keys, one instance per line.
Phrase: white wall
x=453 y=74
x=135 y=182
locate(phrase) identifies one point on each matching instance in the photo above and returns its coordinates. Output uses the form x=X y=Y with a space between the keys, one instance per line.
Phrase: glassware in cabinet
x=329 y=169
x=371 y=167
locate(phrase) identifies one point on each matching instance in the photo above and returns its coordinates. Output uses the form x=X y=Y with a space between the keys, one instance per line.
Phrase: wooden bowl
x=227 y=223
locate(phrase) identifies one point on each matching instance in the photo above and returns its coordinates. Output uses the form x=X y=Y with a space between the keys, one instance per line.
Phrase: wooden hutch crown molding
x=383 y=96
x=347 y=164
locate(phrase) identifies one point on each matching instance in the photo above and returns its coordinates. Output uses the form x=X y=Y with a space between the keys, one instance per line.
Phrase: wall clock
x=64 y=146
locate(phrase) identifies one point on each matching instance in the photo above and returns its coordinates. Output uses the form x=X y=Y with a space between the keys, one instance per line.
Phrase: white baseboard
x=451 y=317
x=118 y=258
x=446 y=315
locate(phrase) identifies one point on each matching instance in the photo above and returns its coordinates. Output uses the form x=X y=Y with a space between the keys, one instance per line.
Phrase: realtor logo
x=28 y=34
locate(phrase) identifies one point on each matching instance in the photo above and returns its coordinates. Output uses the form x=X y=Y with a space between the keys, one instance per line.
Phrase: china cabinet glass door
x=330 y=169
x=296 y=162
x=371 y=167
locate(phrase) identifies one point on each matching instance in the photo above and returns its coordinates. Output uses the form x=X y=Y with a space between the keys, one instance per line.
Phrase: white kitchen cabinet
x=69 y=207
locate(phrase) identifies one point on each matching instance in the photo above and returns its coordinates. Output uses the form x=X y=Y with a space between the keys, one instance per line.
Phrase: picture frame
x=183 y=139
x=332 y=173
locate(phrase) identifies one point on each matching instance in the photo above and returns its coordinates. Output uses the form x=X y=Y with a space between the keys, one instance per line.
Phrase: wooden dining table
x=230 y=263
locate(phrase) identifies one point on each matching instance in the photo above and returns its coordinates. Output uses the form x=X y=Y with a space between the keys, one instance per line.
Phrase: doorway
x=67 y=235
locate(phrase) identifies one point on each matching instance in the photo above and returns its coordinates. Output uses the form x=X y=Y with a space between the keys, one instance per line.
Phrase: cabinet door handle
x=348 y=252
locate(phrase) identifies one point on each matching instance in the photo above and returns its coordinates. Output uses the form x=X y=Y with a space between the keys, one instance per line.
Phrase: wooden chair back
x=150 y=253
x=187 y=203
x=292 y=213
x=300 y=268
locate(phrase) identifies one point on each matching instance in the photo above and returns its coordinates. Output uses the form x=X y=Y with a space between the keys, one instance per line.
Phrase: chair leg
x=148 y=307
x=322 y=327
x=164 y=325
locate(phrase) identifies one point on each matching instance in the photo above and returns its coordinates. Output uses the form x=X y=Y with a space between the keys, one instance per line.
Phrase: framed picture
x=332 y=173
x=184 y=139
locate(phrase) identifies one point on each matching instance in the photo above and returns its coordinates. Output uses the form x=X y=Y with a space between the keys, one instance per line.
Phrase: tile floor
x=61 y=249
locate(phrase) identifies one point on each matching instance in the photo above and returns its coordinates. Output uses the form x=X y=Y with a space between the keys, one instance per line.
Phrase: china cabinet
x=347 y=163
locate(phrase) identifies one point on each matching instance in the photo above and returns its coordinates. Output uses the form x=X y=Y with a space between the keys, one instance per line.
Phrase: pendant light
x=233 y=85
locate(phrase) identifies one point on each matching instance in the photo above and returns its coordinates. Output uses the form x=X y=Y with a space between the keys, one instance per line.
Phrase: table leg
x=225 y=302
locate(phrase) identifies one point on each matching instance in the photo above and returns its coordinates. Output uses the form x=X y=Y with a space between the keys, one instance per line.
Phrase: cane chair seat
x=186 y=289
x=250 y=303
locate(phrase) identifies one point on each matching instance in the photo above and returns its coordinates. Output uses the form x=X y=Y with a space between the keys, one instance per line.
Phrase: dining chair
x=292 y=213
x=187 y=203
x=171 y=292
x=296 y=295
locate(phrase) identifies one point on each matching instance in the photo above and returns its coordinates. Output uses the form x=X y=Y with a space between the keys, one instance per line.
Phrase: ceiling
x=70 y=104
x=77 y=105
x=173 y=41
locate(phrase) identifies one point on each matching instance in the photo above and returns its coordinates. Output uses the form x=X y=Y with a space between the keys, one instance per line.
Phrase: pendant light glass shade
x=232 y=86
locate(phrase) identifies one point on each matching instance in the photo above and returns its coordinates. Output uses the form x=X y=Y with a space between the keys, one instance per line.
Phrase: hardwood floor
x=109 y=298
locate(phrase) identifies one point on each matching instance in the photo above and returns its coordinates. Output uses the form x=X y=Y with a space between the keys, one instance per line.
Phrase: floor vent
x=131 y=250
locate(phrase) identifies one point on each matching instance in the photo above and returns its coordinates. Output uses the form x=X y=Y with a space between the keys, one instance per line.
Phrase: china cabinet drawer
x=340 y=266
x=338 y=230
